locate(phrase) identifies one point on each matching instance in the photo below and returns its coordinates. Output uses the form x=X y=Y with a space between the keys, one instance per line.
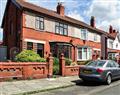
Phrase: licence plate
x=87 y=71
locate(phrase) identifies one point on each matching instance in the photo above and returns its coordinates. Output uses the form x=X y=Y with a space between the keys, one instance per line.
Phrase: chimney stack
x=92 y=21
x=110 y=29
x=60 y=9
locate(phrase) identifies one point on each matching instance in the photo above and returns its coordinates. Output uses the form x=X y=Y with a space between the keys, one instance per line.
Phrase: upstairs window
x=110 y=44
x=84 y=34
x=61 y=28
x=39 y=23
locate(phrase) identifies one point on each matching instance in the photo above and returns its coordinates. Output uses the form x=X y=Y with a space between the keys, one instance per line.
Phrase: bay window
x=84 y=53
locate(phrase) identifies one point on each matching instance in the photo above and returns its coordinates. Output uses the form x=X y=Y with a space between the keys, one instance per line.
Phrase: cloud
x=106 y=11
x=74 y=14
x=51 y=4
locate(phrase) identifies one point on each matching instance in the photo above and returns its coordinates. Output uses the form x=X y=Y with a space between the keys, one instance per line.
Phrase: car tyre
x=108 y=80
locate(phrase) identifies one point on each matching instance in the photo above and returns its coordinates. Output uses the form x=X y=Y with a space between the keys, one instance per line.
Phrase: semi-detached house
x=113 y=45
x=27 y=26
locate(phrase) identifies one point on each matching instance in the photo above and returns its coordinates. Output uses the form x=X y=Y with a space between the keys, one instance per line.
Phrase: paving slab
x=25 y=86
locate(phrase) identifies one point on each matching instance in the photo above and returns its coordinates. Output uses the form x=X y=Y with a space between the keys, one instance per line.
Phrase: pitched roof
x=31 y=7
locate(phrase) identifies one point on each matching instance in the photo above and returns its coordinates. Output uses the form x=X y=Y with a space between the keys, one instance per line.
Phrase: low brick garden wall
x=68 y=70
x=26 y=70
x=71 y=70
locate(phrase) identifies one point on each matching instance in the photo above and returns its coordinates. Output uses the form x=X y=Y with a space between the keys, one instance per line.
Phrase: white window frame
x=82 y=34
x=88 y=53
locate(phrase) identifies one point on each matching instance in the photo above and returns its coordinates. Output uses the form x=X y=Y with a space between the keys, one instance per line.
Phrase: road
x=86 y=89
x=111 y=91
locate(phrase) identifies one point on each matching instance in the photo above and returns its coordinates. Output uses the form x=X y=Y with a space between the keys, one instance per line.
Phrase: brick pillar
x=62 y=64
x=75 y=54
x=50 y=65
x=27 y=71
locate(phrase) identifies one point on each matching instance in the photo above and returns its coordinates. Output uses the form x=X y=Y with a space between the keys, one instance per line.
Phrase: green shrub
x=68 y=61
x=29 y=56
x=56 y=61
x=55 y=66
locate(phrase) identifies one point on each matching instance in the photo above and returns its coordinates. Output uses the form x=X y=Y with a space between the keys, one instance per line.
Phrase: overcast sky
x=106 y=12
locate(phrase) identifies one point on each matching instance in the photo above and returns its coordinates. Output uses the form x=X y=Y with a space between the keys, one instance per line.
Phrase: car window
x=96 y=63
x=115 y=63
x=108 y=64
x=111 y=64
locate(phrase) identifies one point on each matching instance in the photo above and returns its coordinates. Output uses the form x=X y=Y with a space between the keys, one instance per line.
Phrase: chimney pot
x=114 y=31
x=60 y=9
x=92 y=21
x=110 y=29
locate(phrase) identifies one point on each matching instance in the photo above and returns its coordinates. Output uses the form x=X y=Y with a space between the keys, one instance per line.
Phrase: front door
x=40 y=49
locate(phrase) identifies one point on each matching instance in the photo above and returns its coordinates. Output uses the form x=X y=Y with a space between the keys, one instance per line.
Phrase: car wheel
x=108 y=80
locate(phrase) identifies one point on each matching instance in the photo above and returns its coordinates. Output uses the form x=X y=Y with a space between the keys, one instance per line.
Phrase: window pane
x=65 y=31
x=80 y=53
x=84 y=53
x=84 y=34
x=39 y=23
x=61 y=30
x=57 y=30
x=57 y=24
x=40 y=49
x=41 y=19
x=29 y=45
x=61 y=25
x=42 y=25
x=65 y=26
x=37 y=18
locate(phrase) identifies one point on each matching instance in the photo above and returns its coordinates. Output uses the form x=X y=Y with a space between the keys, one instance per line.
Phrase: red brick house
x=27 y=26
x=114 y=45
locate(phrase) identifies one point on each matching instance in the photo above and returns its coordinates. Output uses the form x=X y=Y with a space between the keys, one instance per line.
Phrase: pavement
x=38 y=85
x=71 y=85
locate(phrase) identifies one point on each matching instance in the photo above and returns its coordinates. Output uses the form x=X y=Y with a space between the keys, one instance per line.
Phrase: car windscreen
x=96 y=63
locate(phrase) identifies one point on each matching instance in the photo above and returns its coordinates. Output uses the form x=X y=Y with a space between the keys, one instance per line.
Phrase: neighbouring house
x=113 y=45
x=27 y=26
x=1 y=43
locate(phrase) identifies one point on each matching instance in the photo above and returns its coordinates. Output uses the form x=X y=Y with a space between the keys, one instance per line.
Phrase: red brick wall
x=26 y=70
x=68 y=70
x=13 y=40
x=47 y=36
